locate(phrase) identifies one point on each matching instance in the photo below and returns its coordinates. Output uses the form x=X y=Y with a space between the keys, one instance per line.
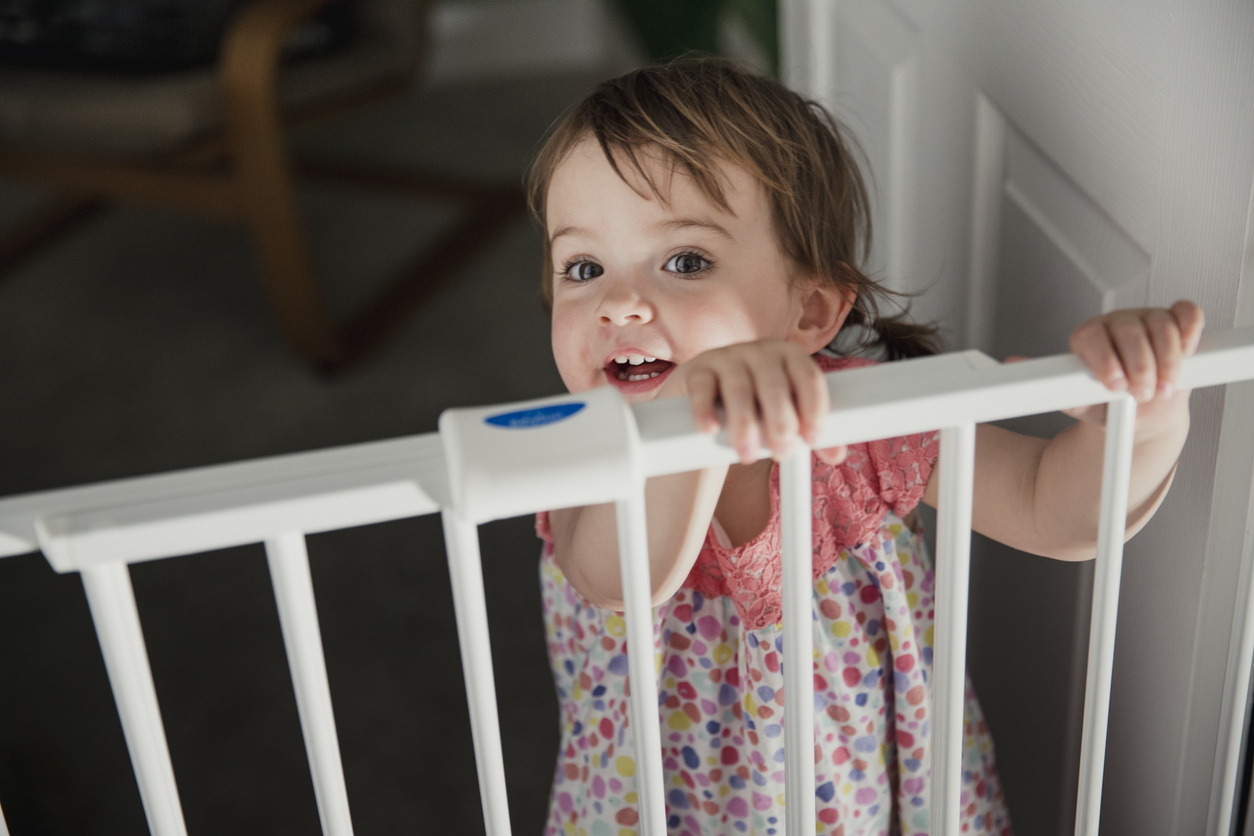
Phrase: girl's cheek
x=570 y=353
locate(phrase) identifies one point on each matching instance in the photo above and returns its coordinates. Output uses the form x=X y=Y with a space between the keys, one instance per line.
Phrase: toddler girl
x=703 y=228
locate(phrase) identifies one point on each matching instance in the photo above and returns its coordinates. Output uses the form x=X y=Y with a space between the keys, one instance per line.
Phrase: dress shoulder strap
x=875 y=477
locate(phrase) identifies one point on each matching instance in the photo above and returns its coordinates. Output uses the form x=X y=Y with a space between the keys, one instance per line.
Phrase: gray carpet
x=142 y=343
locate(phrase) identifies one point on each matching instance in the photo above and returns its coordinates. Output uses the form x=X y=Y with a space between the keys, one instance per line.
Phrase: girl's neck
x=744 y=506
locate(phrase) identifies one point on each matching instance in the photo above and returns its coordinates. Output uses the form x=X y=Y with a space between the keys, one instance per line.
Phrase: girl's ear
x=825 y=305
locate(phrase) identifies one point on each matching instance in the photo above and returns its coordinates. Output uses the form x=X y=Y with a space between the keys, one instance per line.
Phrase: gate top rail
x=208 y=508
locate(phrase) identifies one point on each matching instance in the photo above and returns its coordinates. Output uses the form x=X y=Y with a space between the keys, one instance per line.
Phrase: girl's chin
x=638 y=388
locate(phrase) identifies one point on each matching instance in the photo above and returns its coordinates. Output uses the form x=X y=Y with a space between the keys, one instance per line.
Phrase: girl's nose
x=623 y=304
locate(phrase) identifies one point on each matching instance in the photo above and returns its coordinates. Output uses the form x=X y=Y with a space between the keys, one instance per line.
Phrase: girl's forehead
x=584 y=179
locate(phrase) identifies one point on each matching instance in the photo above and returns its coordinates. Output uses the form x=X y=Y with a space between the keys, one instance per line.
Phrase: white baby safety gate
x=491 y=463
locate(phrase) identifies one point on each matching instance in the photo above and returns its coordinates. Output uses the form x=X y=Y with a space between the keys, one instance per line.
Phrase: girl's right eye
x=582 y=271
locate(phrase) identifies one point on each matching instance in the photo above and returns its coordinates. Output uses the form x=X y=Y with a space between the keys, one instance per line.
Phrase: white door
x=1036 y=164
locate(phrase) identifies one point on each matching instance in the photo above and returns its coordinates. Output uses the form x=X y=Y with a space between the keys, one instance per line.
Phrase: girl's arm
x=678 y=509
x=1043 y=496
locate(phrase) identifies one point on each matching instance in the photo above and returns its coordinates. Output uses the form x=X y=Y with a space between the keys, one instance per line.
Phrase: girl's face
x=640 y=286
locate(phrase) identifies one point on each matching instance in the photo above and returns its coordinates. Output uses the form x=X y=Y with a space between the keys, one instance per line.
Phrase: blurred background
x=243 y=228
x=146 y=334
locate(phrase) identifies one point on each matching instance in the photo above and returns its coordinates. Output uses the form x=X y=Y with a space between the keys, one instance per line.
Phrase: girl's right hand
x=771 y=392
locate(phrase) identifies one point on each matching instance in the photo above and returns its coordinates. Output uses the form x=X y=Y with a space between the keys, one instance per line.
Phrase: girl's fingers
x=740 y=407
x=1092 y=344
x=702 y=388
x=1128 y=333
x=1140 y=350
x=774 y=395
x=1164 y=336
x=1191 y=320
x=770 y=394
x=810 y=390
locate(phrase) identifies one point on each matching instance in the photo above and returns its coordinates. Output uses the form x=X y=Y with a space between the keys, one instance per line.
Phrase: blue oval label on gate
x=538 y=417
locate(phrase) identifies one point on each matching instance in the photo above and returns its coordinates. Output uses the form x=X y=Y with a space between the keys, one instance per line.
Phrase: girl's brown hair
x=701 y=111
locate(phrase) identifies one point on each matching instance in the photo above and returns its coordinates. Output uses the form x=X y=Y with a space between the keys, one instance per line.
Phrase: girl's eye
x=582 y=271
x=687 y=263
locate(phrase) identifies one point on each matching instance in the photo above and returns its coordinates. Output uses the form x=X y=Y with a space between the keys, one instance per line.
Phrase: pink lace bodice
x=849 y=501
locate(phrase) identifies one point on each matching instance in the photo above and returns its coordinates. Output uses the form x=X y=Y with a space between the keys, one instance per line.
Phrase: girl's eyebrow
x=566 y=230
x=696 y=223
x=672 y=224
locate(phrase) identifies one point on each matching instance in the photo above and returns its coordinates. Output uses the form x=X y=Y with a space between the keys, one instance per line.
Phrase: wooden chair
x=212 y=143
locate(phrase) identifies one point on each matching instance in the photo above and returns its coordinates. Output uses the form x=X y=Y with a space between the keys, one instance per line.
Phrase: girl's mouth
x=632 y=378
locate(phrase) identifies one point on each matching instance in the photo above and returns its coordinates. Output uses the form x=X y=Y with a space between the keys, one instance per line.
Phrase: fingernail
x=1142 y=393
x=1118 y=383
x=1167 y=388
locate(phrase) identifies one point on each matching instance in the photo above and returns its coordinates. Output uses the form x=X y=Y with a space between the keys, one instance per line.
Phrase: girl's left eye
x=582 y=271
x=687 y=263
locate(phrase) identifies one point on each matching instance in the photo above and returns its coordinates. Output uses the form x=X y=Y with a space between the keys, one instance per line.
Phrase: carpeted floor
x=142 y=343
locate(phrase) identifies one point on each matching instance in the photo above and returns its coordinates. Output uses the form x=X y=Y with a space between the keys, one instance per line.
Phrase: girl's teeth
x=633 y=359
x=633 y=377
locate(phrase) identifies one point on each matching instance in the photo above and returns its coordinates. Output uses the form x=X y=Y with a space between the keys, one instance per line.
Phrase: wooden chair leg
x=486 y=212
x=418 y=280
x=272 y=215
x=270 y=208
x=265 y=192
x=249 y=76
x=288 y=270
x=37 y=230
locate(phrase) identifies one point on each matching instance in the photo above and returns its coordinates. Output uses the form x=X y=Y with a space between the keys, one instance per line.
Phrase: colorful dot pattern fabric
x=720 y=705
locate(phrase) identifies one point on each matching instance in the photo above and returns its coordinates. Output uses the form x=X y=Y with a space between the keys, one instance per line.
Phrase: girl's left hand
x=1139 y=350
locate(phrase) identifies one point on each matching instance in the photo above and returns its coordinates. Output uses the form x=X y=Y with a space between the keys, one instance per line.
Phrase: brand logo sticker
x=528 y=418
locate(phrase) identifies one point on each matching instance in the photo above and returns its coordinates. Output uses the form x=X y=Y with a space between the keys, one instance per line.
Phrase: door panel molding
x=807 y=59
x=1014 y=181
x=988 y=174
x=1103 y=252
x=884 y=46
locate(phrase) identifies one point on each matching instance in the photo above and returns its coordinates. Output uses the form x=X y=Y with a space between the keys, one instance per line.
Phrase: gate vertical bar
x=633 y=551
x=953 y=563
x=465 y=566
x=1116 y=471
x=797 y=545
x=302 y=639
x=112 y=603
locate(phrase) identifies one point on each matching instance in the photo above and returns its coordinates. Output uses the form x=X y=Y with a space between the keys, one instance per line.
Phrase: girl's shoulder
x=876 y=476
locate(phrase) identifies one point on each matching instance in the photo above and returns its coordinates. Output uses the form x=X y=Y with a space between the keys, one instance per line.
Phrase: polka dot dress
x=719 y=645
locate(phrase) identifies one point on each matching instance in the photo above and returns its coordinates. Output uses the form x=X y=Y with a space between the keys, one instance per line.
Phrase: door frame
x=1225 y=632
